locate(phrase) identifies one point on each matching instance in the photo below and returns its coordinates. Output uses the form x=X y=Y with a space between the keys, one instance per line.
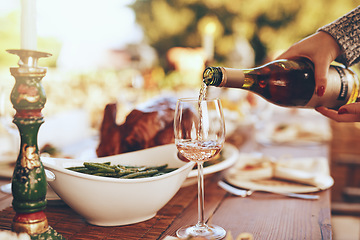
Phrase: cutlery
x=245 y=193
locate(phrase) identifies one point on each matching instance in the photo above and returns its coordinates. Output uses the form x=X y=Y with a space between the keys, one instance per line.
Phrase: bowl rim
x=49 y=167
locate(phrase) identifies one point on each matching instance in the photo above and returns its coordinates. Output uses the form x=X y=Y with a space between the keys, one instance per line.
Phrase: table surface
x=265 y=215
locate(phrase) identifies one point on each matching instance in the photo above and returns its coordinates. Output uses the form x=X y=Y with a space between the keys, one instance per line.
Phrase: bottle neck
x=232 y=77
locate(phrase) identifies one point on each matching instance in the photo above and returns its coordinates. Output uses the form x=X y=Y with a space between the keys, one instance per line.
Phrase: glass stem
x=201 y=221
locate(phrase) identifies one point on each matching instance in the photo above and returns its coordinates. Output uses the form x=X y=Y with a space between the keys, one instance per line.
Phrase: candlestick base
x=36 y=225
x=49 y=234
x=31 y=223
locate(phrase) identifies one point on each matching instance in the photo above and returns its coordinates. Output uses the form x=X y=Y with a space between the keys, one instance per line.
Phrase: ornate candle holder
x=29 y=181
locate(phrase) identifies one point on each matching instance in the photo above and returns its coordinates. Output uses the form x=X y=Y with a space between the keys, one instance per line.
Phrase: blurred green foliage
x=9 y=37
x=269 y=25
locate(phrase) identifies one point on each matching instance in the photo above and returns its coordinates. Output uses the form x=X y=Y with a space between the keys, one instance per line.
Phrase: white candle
x=28 y=25
x=208 y=46
x=208 y=40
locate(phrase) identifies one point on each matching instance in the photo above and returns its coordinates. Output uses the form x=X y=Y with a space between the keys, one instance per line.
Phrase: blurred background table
x=265 y=215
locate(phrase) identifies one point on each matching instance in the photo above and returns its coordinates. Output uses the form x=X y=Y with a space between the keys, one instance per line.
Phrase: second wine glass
x=199 y=129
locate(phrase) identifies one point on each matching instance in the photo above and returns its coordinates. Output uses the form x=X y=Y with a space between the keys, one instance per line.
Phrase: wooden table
x=265 y=215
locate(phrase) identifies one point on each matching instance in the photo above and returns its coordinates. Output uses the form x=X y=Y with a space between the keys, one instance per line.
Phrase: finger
x=330 y=113
x=352 y=108
x=320 y=73
x=334 y=115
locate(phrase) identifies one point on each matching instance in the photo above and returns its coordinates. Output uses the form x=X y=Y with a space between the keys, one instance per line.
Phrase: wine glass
x=199 y=129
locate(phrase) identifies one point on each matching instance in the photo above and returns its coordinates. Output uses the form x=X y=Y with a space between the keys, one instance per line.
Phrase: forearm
x=346 y=32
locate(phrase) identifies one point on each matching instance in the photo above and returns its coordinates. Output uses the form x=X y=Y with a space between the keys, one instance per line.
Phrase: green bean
x=158 y=167
x=96 y=166
x=127 y=166
x=105 y=174
x=121 y=171
x=77 y=168
x=147 y=173
x=117 y=169
x=141 y=168
x=126 y=171
x=90 y=171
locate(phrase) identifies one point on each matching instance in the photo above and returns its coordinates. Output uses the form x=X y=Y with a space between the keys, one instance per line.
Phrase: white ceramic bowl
x=106 y=201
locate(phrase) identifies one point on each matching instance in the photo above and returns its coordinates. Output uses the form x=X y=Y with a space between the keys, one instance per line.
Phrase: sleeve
x=346 y=31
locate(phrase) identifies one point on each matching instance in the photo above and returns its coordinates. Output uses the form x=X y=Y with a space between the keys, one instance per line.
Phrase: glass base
x=206 y=231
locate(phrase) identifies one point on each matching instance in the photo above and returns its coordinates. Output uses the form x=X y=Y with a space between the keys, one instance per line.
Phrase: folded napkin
x=297 y=132
x=309 y=171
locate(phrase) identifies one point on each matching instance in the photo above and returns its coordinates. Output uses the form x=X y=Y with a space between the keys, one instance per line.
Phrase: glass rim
x=193 y=99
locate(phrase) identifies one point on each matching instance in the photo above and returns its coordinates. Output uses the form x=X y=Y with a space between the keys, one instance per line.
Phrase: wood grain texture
x=265 y=215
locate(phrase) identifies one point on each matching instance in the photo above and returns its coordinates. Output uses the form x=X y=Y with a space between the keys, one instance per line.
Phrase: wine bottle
x=289 y=83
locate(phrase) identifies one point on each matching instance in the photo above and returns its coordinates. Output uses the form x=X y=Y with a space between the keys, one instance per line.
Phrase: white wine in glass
x=199 y=129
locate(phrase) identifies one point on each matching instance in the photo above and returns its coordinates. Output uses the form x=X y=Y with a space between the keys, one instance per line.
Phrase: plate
x=50 y=194
x=6 y=170
x=269 y=141
x=300 y=133
x=276 y=185
x=258 y=172
x=230 y=156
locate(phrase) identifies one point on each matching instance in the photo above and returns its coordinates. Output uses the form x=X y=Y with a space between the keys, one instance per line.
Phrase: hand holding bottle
x=339 y=39
x=289 y=83
x=321 y=48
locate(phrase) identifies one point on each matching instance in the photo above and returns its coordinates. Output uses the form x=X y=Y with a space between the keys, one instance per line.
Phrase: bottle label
x=344 y=87
x=340 y=87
